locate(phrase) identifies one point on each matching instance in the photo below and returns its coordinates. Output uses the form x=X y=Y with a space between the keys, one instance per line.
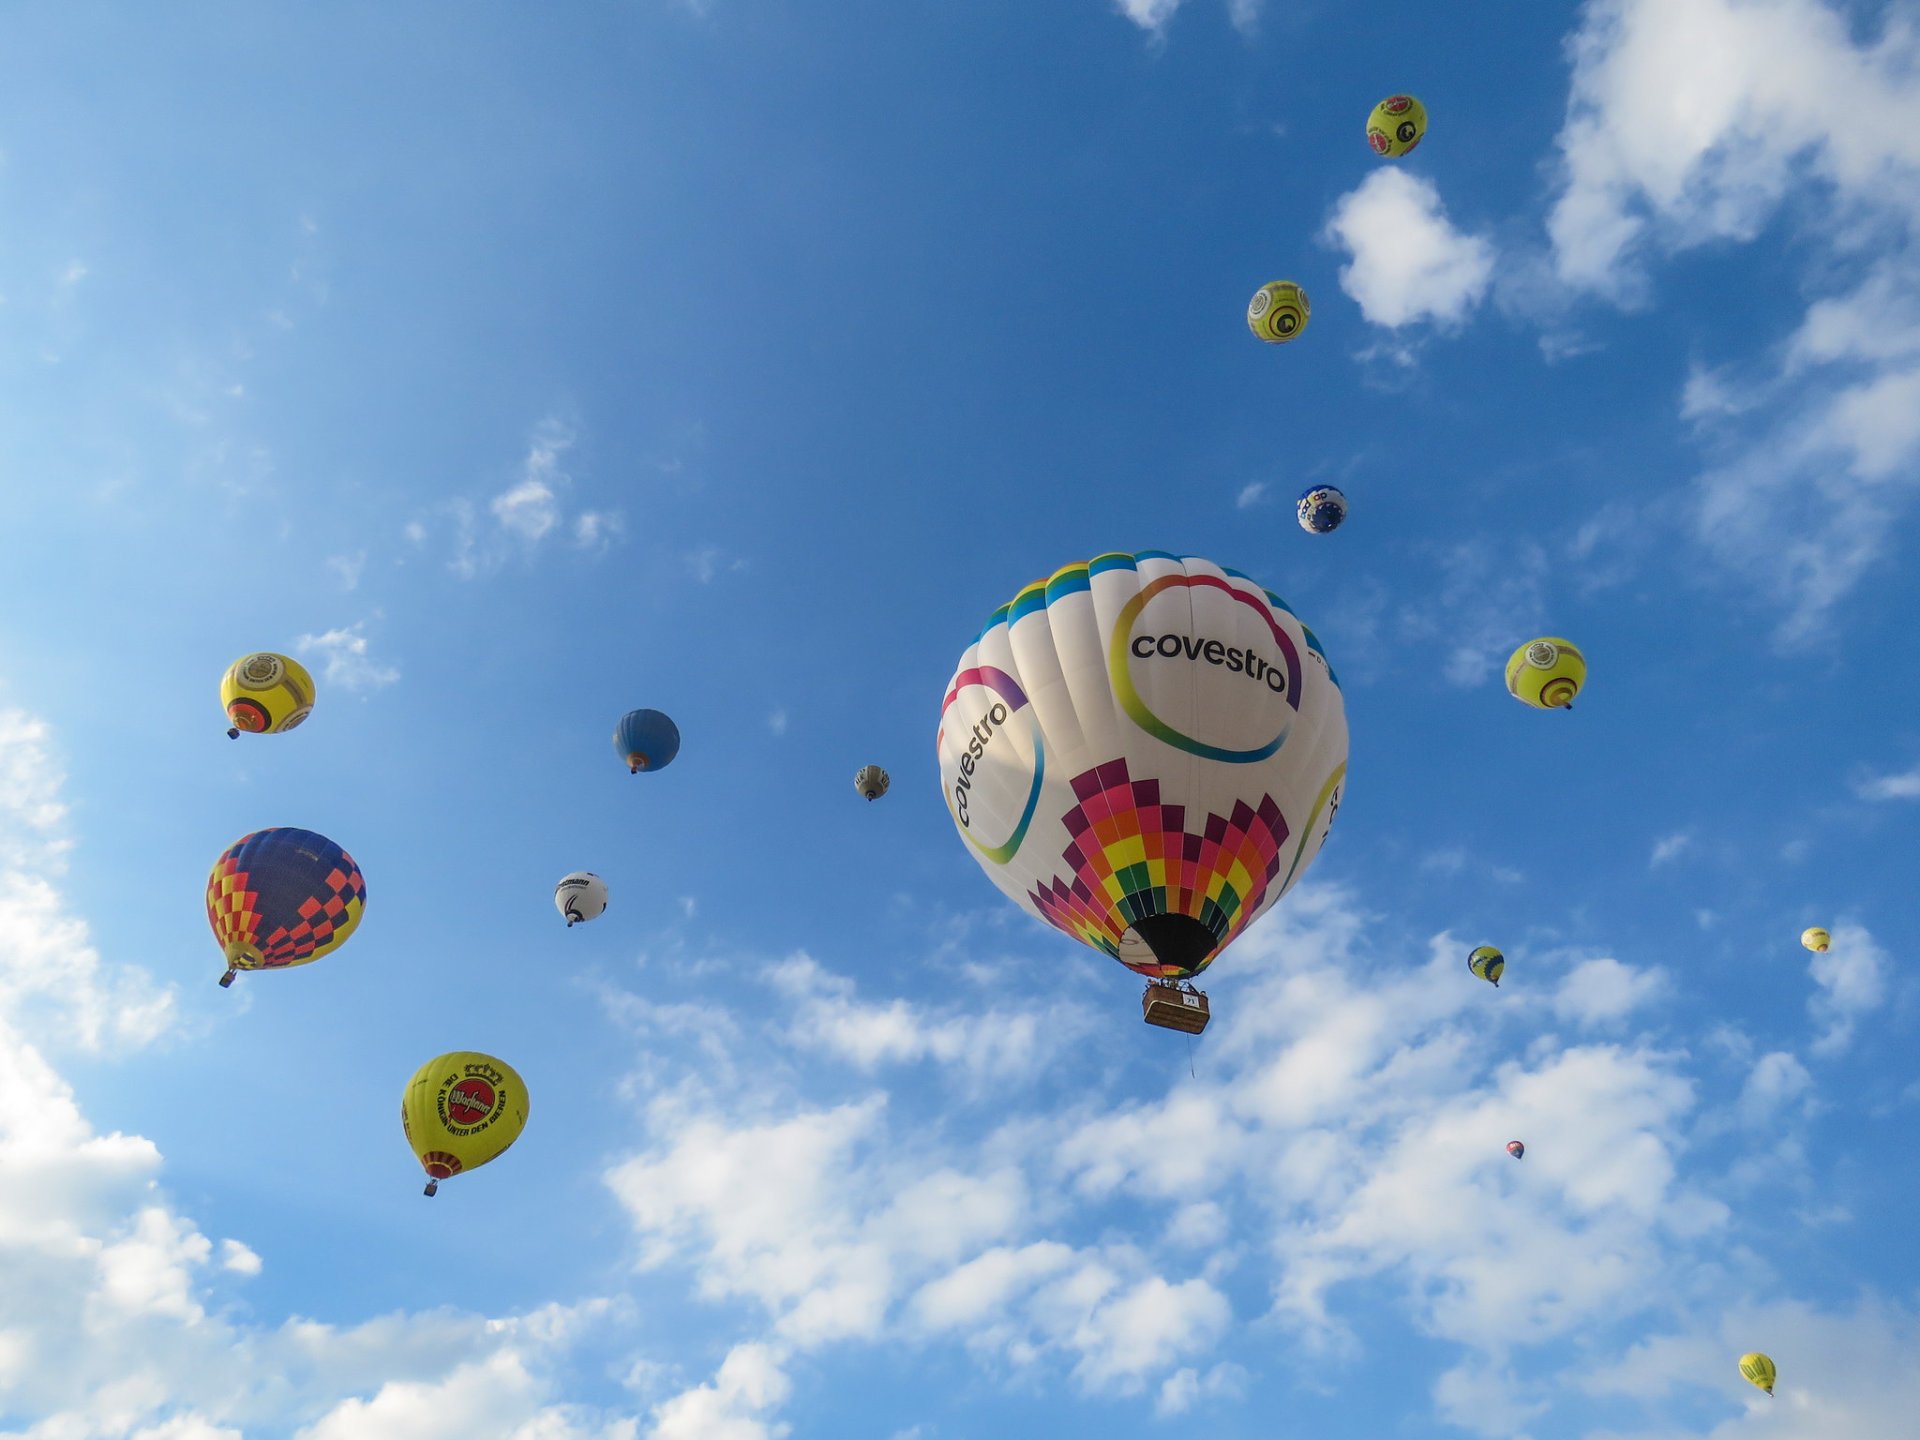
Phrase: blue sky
x=737 y=359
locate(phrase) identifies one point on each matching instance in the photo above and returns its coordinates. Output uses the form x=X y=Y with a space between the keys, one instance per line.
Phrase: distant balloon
x=580 y=896
x=1278 y=311
x=646 y=740
x=282 y=897
x=1145 y=751
x=461 y=1110
x=1814 y=938
x=1758 y=1370
x=1488 y=963
x=1516 y=1150
x=1397 y=124
x=266 y=694
x=1546 y=673
x=871 y=781
x=1322 y=509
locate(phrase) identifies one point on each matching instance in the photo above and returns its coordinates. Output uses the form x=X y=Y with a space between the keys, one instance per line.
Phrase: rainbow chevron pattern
x=1132 y=856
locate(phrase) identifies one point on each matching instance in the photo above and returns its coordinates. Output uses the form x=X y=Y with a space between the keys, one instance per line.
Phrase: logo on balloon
x=981 y=748
x=1184 y=637
x=470 y=1102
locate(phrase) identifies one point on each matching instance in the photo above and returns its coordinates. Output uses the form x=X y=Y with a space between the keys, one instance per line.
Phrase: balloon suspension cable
x=227 y=979
x=1190 y=1056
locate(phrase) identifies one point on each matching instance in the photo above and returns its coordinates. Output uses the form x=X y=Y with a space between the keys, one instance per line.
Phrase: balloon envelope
x=1516 y=1149
x=1397 y=124
x=646 y=740
x=1321 y=509
x=461 y=1110
x=1546 y=673
x=580 y=896
x=871 y=781
x=1146 y=752
x=1488 y=963
x=1758 y=1370
x=1816 y=939
x=266 y=694
x=281 y=897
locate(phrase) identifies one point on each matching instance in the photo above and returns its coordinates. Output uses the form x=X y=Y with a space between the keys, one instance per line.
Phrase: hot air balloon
x=1816 y=939
x=580 y=896
x=1397 y=124
x=1516 y=1149
x=1546 y=673
x=1145 y=751
x=1758 y=1370
x=1278 y=311
x=282 y=897
x=266 y=694
x=1322 y=509
x=646 y=740
x=461 y=1110
x=871 y=781
x=1488 y=963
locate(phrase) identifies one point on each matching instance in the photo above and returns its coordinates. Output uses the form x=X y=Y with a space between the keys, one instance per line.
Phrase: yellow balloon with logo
x=1816 y=939
x=461 y=1110
x=1546 y=673
x=1758 y=1370
x=265 y=694
x=1278 y=312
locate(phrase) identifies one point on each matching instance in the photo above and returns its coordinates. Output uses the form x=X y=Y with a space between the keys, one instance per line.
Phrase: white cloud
x=777 y=720
x=1596 y=992
x=349 y=568
x=1852 y=980
x=1409 y=263
x=749 y=1383
x=236 y=1256
x=1486 y=602
x=1903 y=786
x=1669 y=847
x=349 y=661
x=1776 y=1081
x=709 y=561
x=1250 y=494
x=529 y=513
x=1153 y=15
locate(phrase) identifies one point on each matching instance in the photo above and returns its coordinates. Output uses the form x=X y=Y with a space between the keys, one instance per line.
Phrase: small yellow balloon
x=1546 y=673
x=1758 y=1370
x=1488 y=963
x=1814 y=938
x=461 y=1110
x=1396 y=125
x=1278 y=312
x=266 y=694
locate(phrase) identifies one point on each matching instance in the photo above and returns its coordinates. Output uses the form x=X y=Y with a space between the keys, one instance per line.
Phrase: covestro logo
x=992 y=760
x=1187 y=638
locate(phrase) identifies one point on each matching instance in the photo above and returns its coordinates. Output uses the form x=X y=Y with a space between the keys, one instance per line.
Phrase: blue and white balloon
x=1322 y=509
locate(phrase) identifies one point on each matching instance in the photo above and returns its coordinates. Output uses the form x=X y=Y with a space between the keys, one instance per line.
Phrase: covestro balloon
x=1145 y=751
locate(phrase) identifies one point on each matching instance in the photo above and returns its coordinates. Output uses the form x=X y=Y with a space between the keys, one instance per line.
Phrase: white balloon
x=1145 y=751
x=580 y=896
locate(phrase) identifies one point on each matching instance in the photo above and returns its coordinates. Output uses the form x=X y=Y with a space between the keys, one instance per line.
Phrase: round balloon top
x=1146 y=751
x=1278 y=311
x=1488 y=963
x=1322 y=509
x=1516 y=1149
x=266 y=694
x=282 y=897
x=580 y=896
x=646 y=740
x=871 y=781
x=1757 y=1369
x=1814 y=938
x=1396 y=125
x=461 y=1110
x=1546 y=673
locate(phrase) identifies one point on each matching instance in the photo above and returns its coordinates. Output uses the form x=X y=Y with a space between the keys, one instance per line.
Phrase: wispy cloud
x=1670 y=847
x=529 y=514
x=1902 y=786
x=1851 y=977
x=348 y=658
x=708 y=562
x=1250 y=495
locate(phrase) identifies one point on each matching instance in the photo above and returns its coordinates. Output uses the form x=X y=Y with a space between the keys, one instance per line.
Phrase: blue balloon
x=646 y=740
x=1322 y=509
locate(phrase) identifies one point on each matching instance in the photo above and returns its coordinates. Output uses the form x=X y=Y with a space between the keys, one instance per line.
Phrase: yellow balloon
x=1814 y=938
x=461 y=1110
x=1396 y=125
x=266 y=694
x=1546 y=673
x=1278 y=312
x=1758 y=1370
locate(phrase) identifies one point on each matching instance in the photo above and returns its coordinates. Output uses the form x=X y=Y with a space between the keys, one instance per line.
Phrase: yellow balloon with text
x=461 y=1110
x=1546 y=673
